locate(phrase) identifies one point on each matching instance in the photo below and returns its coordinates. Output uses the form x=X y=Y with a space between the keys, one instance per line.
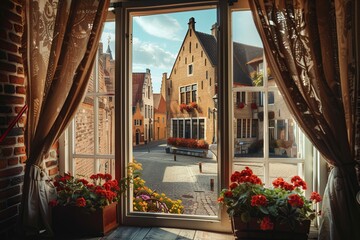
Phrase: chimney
x=192 y=23
x=214 y=30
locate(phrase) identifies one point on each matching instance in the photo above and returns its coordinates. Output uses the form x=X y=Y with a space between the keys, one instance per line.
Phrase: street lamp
x=214 y=110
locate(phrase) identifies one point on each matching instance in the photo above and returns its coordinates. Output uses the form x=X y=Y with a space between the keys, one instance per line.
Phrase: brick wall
x=12 y=99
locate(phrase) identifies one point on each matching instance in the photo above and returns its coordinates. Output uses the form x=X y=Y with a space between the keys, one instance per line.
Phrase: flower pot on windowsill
x=283 y=231
x=79 y=221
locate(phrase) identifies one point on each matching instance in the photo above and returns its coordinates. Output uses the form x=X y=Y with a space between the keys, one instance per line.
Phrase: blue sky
x=158 y=38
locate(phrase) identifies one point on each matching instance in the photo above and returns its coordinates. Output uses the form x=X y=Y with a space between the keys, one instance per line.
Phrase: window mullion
x=266 y=123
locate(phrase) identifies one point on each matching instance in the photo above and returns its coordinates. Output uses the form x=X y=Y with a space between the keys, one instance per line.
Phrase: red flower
x=53 y=203
x=295 y=200
x=228 y=194
x=241 y=105
x=182 y=107
x=220 y=199
x=298 y=182
x=94 y=176
x=108 y=176
x=258 y=200
x=279 y=182
x=235 y=176
x=233 y=185
x=266 y=224
x=315 y=197
x=84 y=181
x=81 y=202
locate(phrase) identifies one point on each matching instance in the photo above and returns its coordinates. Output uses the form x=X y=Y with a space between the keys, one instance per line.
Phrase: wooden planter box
x=78 y=221
x=251 y=230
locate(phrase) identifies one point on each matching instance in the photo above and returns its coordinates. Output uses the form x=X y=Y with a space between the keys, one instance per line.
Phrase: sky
x=158 y=38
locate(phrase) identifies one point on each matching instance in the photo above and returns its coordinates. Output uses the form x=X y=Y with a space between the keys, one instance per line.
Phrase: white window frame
x=190 y=66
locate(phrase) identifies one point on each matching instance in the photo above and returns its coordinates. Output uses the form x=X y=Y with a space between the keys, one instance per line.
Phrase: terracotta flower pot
x=251 y=230
x=71 y=220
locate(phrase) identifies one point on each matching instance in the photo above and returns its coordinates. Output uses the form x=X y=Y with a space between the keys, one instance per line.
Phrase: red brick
x=3 y=77
x=23 y=159
x=8 y=46
x=18 y=9
x=20 y=89
x=14 y=58
x=16 y=79
x=53 y=171
x=13 y=17
x=6 y=24
x=8 y=141
x=7 y=5
x=4 y=66
x=15 y=38
x=9 y=192
x=19 y=150
x=11 y=172
x=51 y=163
x=12 y=100
x=10 y=212
x=2 y=34
x=14 y=200
x=20 y=140
x=6 y=152
x=13 y=161
x=18 y=28
x=5 y=183
x=3 y=164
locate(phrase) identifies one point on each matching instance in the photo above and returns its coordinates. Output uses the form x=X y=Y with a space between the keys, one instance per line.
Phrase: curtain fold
x=60 y=43
x=309 y=47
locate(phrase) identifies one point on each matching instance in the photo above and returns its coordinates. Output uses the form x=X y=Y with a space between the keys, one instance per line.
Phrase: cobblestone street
x=180 y=179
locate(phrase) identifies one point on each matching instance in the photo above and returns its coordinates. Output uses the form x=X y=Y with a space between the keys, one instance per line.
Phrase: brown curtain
x=60 y=43
x=309 y=45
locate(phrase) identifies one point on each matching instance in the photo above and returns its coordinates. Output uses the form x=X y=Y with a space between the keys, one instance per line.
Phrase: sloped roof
x=137 y=87
x=156 y=97
x=242 y=55
x=209 y=44
x=161 y=108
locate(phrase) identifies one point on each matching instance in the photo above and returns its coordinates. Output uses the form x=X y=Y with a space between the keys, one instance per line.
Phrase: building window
x=240 y=97
x=188 y=94
x=185 y=60
x=190 y=46
x=188 y=128
x=246 y=128
x=192 y=58
x=190 y=69
x=206 y=74
x=146 y=111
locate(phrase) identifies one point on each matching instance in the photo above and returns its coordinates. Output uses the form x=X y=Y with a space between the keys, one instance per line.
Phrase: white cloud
x=151 y=55
x=162 y=26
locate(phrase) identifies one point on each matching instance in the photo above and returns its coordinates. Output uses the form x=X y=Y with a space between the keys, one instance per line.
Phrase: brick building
x=193 y=80
x=142 y=107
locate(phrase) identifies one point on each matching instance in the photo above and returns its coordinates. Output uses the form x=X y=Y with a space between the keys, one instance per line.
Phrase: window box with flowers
x=258 y=212
x=84 y=208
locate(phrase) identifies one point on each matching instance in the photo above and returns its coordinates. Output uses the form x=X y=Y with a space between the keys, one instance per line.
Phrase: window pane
x=84 y=167
x=106 y=126
x=284 y=170
x=248 y=124
x=247 y=51
x=284 y=135
x=84 y=128
x=257 y=168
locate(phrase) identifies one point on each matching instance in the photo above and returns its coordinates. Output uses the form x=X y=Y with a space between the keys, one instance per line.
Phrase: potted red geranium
x=257 y=212
x=86 y=207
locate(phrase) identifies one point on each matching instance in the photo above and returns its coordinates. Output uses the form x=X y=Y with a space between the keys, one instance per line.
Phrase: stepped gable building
x=142 y=105
x=191 y=89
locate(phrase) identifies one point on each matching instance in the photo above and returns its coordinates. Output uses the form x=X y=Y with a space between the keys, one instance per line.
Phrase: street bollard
x=200 y=167
x=212 y=184
x=174 y=155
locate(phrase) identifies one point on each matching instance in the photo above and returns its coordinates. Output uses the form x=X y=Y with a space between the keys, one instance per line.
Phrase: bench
x=189 y=151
